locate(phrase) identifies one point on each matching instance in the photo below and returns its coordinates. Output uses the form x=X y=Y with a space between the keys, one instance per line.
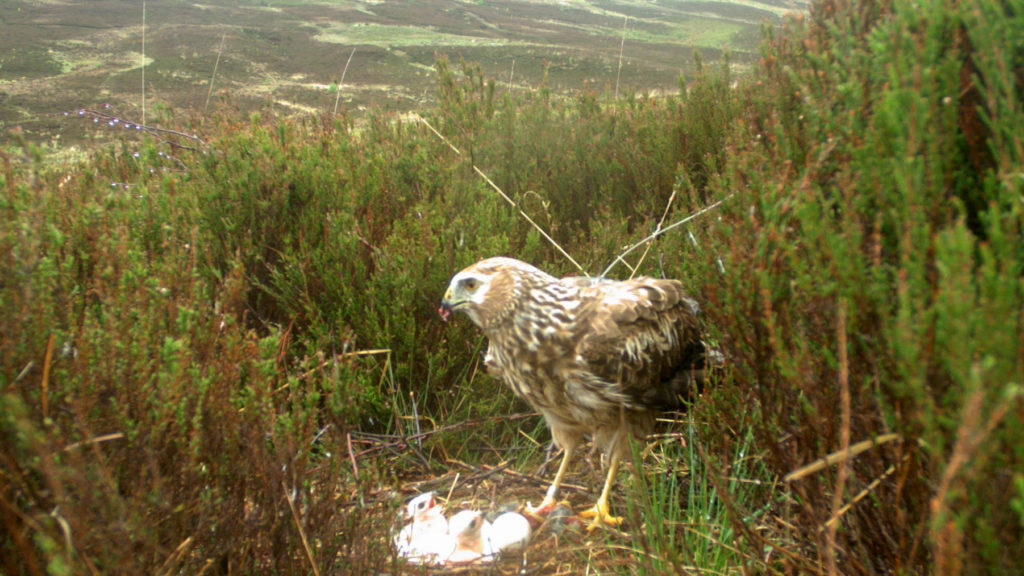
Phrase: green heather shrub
x=140 y=420
x=873 y=262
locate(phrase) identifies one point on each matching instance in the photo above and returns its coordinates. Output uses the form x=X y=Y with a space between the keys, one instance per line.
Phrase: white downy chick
x=470 y=532
x=425 y=539
x=509 y=531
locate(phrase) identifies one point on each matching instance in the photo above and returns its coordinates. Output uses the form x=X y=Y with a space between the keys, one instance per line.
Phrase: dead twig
x=143 y=126
x=213 y=77
x=664 y=215
x=352 y=454
x=95 y=440
x=451 y=488
x=861 y=495
x=503 y=468
x=839 y=456
x=620 y=258
x=169 y=565
x=506 y=197
x=416 y=450
x=335 y=358
x=844 y=440
x=46 y=373
x=289 y=495
x=380 y=442
x=341 y=82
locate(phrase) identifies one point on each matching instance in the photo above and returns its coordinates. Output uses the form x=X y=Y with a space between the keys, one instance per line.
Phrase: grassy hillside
x=221 y=354
x=57 y=57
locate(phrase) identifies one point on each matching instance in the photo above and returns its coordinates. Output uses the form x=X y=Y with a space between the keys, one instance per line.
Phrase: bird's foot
x=538 y=512
x=600 y=515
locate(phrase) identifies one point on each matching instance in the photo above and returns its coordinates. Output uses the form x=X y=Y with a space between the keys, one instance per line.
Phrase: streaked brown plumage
x=594 y=357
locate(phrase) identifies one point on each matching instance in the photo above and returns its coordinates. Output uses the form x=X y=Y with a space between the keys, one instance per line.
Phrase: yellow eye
x=470 y=284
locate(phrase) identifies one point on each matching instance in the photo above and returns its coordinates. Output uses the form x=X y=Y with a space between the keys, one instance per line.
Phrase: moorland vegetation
x=221 y=355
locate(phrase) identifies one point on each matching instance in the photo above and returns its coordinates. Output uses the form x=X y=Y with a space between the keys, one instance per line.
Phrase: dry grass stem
x=352 y=454
x=702 y=532
x=839 y=456
x=169 y=566
x=96 y=440
x=213 y=77
x=622 y=48
x=341 y=82
x=647 y=248
x=24 y=372
x=833 y=521
x=510 y=201
x=289 y=495
x=484 y=471
x=143 y=62
x=336 y=357
x=416 y=421
x=844 y=437
x=621 y=257
x=46 y=374
x=451 y=489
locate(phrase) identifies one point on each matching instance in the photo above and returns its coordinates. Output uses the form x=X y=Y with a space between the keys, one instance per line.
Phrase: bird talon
x=599 y=516
x=545 y=507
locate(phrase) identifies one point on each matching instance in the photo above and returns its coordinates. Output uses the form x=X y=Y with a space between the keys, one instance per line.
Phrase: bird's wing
x=641 y=337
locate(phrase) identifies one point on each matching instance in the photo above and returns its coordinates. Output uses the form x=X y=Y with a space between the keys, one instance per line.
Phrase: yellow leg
x=601 y=513
x=549 y=499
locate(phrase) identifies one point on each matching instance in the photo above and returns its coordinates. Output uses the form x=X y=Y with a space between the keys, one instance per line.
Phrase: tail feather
x=686 y=383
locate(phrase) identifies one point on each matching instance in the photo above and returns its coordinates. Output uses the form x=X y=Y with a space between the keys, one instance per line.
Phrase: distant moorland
x=58 y=56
